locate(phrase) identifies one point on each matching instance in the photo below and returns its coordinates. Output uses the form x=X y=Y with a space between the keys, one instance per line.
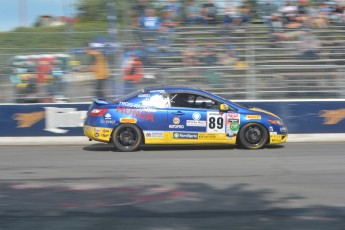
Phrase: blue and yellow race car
x=180 y=115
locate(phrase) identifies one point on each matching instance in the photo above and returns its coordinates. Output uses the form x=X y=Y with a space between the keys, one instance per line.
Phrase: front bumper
x=278 y=138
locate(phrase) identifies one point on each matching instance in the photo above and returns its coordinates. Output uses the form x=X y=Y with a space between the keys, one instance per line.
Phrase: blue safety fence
x=30 y=120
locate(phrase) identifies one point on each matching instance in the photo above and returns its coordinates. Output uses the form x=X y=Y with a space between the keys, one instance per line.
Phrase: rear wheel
x=253 y=136
x=127 y=137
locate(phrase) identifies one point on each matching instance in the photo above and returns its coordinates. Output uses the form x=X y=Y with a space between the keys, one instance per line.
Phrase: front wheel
x=127 y=137
x=253 y=136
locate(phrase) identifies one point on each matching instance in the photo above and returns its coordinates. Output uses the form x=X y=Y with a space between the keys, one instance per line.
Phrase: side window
x=192 y=101
x=156 y=101
x=182 y=100
x=203 y=102
x=207 y=103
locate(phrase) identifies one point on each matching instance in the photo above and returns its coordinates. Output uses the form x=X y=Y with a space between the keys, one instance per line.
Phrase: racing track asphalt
x=293 y=186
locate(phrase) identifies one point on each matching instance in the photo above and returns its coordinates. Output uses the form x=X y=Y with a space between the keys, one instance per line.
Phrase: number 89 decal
x=216 y=122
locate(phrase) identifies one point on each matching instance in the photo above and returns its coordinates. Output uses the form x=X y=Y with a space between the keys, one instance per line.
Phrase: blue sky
x=10 y=16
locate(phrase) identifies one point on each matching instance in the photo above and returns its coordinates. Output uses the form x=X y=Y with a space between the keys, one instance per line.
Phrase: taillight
x=98 y=112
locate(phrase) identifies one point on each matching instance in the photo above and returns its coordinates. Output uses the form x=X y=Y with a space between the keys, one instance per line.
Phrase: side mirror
x=223 y=107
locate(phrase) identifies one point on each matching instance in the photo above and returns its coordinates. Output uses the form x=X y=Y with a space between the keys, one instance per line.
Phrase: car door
x=155 y=129
x=196 y=120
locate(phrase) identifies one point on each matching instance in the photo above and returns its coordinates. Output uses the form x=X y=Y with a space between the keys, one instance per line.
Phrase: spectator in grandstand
x=232 y=17
x=312 y=10
x=190 y=54
x=302 y=12
x=173 y=8
x=292 y=30
x=325 y=9
x=167 y=30
x=338 y=14
x=138 y=10
x=209 y=56
x=191 y=13
x=151 y=50
x=100 y=69
x=235 y=17
x=227 y=44
x=277 y=27
x=288 y=11
x=268 y=10
x=165 y=38
x=324 y=12
x=316 y=19
x=302 y=7
x=209 y=12
x=309 y=46
x=295 y=22
x=149 y=24
x=135 y=13
x=133 y=73
x=150 y=21
x=227 y=58
x=146 y=54
x=140 y=7
x=245 y=13
x=133 y=49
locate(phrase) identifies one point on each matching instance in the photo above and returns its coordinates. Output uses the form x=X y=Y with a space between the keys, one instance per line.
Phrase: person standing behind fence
x=133 y=73
x=100 y=69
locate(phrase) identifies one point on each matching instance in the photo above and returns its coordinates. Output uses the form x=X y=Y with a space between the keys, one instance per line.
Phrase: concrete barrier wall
x=49 y=120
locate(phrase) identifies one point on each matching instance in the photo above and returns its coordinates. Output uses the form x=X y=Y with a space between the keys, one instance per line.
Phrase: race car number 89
x=215 y=122
x=212 y=123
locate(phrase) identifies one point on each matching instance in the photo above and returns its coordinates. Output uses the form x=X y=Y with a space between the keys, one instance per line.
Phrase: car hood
x=263 y=111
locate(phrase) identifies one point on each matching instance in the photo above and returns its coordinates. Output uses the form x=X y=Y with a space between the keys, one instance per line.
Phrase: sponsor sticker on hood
x=253 y=117
x=264 y=111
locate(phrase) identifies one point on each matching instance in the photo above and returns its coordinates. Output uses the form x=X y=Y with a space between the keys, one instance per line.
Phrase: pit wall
x=306 y=119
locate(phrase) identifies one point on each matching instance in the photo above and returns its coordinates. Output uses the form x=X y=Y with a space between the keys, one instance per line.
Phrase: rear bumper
x=97 y=133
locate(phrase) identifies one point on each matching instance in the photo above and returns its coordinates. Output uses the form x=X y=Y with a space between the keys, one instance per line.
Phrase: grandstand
x=261 y=66
x=276 y=70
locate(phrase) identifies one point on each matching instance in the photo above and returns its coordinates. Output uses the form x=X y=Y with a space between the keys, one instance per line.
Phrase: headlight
x=276 y=122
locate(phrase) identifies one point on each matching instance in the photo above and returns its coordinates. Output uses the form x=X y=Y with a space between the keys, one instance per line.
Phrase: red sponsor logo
x=138 y=113
x=235 y=116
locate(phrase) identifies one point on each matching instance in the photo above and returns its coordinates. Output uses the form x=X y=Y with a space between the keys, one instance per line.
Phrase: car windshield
x=128 y=96
x=235 y=103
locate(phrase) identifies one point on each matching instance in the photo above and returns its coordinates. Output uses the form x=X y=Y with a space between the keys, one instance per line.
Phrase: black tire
x=127 y=137
x=253 y=136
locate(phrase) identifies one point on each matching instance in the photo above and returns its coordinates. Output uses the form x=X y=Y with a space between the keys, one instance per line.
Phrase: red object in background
x=44 y=68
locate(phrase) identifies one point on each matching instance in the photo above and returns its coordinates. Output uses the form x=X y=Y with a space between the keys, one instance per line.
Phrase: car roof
x=173 y=88
x=190 y=90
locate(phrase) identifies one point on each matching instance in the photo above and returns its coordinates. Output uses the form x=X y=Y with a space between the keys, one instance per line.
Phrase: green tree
x=97 y=10
x=92 y=10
